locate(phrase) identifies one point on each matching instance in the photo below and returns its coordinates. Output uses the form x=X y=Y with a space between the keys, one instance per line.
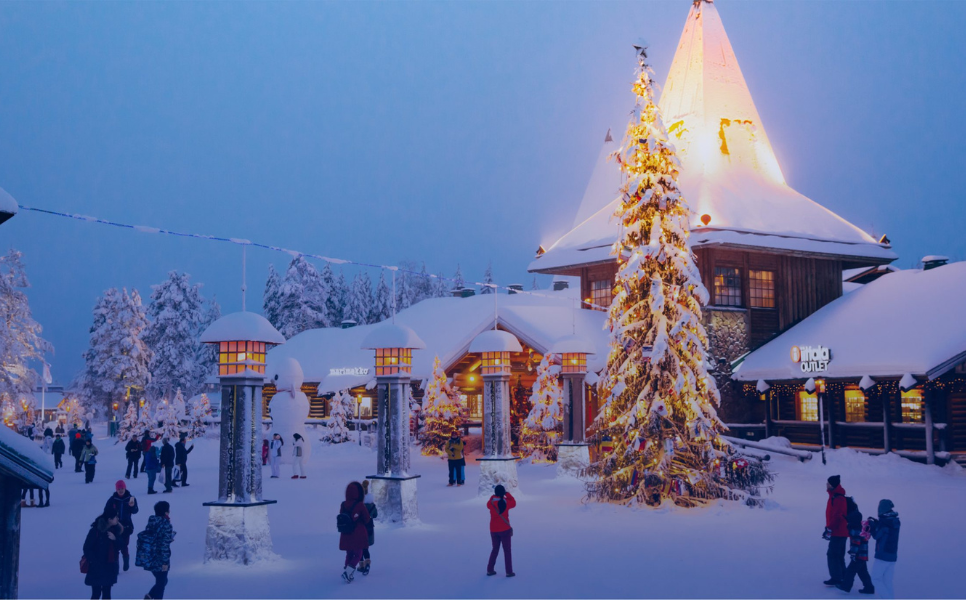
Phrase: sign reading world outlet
x=349 y=371
x=813 y=359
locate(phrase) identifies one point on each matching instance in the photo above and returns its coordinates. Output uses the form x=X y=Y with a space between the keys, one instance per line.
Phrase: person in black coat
x=167 y=463
x=181 y=458
x=58 y=451
x=133 y=453
x=100 y=551
x=125 y=505
x=76 y=440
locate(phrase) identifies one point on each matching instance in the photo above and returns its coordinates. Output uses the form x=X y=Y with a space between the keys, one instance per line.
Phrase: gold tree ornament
x=659 y=413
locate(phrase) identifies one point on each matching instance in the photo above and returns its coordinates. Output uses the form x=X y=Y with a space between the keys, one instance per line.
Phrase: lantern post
x=498 y=465
x=393 y=487
x=238 y=527
x=573 y=453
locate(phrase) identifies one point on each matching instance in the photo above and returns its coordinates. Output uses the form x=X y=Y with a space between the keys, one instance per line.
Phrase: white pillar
x=393 y=488
x=573 y=454
x=498 y=465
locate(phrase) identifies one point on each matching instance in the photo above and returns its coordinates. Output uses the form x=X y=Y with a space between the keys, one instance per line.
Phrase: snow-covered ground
x=562 y=547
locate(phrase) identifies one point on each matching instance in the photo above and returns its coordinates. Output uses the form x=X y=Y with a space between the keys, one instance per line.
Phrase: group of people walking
x=272 y=455
x=106 y=548
x=844 y=525
x=159 y=460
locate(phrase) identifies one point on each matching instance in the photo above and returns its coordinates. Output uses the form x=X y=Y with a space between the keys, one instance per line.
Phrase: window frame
x=601 y=293
x=766 y=294
x=853 y=393
x=908 y=412
x=800 y=408
x=735 y=294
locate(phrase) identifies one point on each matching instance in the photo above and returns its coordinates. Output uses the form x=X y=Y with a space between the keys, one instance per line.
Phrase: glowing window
x=912 y=406
x=496 y=362
x=236 y=357
x=855 y=405
x=807 y=406
x=392 y=361
x=761 y=289
x=602 y=293
x=727 y=286
x=575 y=362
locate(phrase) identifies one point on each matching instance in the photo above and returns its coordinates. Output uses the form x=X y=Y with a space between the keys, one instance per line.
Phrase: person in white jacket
x=298 y=457
x=275 y=454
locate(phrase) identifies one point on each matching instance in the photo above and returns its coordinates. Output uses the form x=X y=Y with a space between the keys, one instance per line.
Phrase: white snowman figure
x=289 y=408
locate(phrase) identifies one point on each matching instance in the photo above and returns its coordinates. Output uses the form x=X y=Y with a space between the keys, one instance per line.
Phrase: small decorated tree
x=146 y=422
x=168 y=421
x=129 y=424
x=199 y=410
x=544 y=425
x=441 y=413
x=76 y=413
x=659 y=400
x=337 y=430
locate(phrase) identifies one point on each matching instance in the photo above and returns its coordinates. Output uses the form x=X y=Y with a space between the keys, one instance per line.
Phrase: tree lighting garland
x=659 y=408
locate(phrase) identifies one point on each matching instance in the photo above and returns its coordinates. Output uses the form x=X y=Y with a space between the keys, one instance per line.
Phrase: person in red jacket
x=500 y=504
x=836 y=530
x=357 y=540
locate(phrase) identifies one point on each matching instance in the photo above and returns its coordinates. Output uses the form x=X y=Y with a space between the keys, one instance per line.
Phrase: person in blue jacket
x=885 y=530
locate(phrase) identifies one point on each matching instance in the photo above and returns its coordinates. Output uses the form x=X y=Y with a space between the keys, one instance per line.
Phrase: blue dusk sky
x=444 y=132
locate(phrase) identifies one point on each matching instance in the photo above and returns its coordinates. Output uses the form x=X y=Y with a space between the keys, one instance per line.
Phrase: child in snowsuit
x=858 y=551
x=356 y=539
x=885 y=530
x=366 y=562
x=455 y=458
x=298 y=457
x=500 y=504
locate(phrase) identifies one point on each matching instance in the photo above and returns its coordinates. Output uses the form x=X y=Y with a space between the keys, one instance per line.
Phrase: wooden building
x=889 y=360
x=768 y=255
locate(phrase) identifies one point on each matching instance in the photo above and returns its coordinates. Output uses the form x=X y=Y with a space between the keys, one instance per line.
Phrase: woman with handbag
x=500 y=504
x=351 y=522
x=100 y=554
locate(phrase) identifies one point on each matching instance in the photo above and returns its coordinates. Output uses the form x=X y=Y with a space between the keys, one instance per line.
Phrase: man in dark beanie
x=836 y=530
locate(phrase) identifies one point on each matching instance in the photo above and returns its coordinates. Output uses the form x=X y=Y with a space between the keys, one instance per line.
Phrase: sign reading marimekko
x=349 y=371
x=812 y=359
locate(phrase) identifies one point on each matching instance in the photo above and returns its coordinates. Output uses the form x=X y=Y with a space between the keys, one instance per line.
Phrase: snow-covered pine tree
x=441 y=414
x=168 y=420
x=337 y=429
x=659 y=400
x=406 y=286
x=487 y=278
x=20 y=340
x=423 y=286
x=199 y=410
x=340 y=291
x=302 y=299
x=118 y=357
x=180 y=408
x=360 y=299
x=207 y=357
x=458 y=281
x=271 y=298
x=333 y=297
x=381 y=302
x=543 y=426
x=129 y=424
x=75 y=412
x=439 y=287
x=175 y=314
x=146 y=422
x=26 y=406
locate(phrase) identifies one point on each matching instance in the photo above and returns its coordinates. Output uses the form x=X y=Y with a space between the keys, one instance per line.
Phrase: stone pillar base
x=498 y=471
x=238 y=533
x=572 y=459
x=395 y=498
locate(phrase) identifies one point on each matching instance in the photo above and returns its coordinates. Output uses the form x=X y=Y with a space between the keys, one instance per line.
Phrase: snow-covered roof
x=907 y=322
x=23 y=459
x=391 y=335
x=242 y=326
x=495 y=340
x=729 y=170
x=335 y=358
x=7 y=203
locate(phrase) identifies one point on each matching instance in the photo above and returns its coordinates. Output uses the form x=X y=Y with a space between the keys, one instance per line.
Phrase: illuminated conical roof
x=729 y=174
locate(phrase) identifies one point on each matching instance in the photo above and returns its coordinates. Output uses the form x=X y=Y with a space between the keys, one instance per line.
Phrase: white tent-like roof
x=729 y=169
x=904 y=322
x=335 y=357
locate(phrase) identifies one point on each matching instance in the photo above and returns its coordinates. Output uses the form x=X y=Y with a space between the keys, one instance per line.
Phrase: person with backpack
x=154 y=548
x=88 y=456
x=298 y=457
x=367 y=499
x=152 y=464
x=167 y=463
x=125 y=505
x=836 y=530
x=499 y=505
x=275 y=451
x=58 y=449
x=132 y=451
x=885 y=530
x=99 y=561
x=858 y=550
x=455 y=458
x=351 y=521
x=181 y=458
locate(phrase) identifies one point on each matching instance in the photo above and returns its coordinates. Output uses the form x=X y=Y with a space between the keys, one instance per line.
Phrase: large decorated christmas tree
x=441 y=413
x=543 y=427
x=659 y=408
